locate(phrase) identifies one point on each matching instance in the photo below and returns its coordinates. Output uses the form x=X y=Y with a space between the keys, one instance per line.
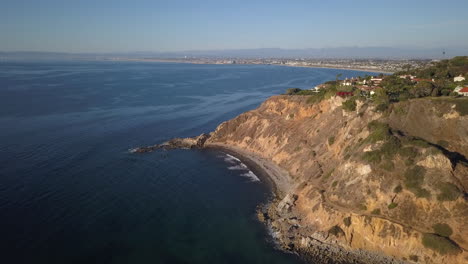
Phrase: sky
x=178 y=25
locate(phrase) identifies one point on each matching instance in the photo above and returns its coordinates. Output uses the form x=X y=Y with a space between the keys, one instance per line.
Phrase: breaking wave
x=238 y=165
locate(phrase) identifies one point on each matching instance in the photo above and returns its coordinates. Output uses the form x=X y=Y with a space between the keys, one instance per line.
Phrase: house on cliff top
x=461 y=90
x=459 y=78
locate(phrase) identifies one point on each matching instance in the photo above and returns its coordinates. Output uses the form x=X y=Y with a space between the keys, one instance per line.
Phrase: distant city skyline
x=183 y=25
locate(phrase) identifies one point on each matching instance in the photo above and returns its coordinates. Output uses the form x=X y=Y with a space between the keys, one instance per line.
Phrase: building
x=320 y=86
x=459 y=79
x=417 y=80
x=408 y=76
x=376 y=80
x=344 y=94
x=367 y=90
x=461 y=90
x=349 y=82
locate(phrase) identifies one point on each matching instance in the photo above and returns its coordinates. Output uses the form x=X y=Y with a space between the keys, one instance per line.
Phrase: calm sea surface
x=70 y=192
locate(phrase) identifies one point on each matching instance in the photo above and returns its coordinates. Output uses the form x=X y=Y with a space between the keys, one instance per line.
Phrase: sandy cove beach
x=265 y=169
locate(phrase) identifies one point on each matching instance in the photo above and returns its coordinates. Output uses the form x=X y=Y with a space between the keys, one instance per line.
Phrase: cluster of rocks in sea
x=175 y=143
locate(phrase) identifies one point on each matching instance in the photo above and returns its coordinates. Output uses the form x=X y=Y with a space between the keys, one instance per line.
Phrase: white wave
x=241 y=166
x=238 y=165
x=133 y=150
x=251 y=176
x=231 y=159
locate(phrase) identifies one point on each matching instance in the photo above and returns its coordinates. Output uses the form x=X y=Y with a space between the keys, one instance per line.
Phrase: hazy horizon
x=181 y=25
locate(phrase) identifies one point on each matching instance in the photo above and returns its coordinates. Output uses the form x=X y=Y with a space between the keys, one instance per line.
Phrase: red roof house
x=464 y=91
x=344 y=94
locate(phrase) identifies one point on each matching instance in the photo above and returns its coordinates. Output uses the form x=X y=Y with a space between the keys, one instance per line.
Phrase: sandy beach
x=266 y=170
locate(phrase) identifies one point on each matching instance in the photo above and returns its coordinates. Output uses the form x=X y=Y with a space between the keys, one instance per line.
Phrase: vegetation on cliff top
x=433 y=81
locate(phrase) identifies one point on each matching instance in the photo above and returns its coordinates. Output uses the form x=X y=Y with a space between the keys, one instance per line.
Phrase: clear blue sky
x=174 y=25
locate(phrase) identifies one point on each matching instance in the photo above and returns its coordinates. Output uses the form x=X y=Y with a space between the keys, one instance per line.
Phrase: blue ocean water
x=70 y=192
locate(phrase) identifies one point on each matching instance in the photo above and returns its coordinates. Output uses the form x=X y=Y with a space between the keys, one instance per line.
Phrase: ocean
x=71 y=192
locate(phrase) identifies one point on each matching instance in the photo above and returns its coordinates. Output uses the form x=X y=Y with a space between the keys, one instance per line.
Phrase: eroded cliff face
x=396 y=187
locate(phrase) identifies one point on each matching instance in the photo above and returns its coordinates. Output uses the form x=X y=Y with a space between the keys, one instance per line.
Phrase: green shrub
x=462 y=106
x=292 y=91
x=414 y=178
x=362 y=207
x=328 y=174
x=414 y=258
x=306 y=92
x=376 y=212
x=381 y=107
x=334 y=184
x=379 y=131
x=390 y=147
x=409 y=162
x=408 y=152
x=350 y=104
x=399 y=110
x=448 y=192
x=442 y=245
x=398 y=189
x=443 y=143
x=442 y=230
x=347 y=221
x=373 y=157
x=392 y=206
x=331 y=140
x=336 y=231
x=422 y=193
x=418 y=143
x=388 y=165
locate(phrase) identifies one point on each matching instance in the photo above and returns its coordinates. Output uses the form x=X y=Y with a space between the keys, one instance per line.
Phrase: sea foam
x=238 y=165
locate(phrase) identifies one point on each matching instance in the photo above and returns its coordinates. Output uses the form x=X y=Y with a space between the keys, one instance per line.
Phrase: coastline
x=270 y=214
x=283 y=65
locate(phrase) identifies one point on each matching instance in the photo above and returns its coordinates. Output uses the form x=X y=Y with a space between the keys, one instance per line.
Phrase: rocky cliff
x=361 y=186
x=365 y=183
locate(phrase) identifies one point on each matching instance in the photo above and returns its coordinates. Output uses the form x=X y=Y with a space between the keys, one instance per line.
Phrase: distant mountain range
x=343 y=52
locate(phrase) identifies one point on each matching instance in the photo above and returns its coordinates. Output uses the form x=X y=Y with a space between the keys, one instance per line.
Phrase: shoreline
x=276 y=178
x=283 y=65
x=280 y=183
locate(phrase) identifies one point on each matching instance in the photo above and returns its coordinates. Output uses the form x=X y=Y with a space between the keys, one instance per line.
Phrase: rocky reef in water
x=362 y=186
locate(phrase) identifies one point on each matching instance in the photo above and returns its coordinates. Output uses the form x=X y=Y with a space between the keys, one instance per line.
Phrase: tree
x=381 y=99
x=338 y=77
x=292 y=91
x=422 y=89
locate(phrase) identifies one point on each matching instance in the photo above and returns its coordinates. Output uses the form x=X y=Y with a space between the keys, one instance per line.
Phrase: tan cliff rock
x=321 y=147
x=359 y=186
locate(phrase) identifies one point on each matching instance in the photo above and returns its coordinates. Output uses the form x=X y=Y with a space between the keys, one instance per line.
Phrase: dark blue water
x=70 y=192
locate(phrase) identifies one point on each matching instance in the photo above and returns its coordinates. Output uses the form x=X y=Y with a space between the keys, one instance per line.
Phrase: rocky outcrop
x=176 y=143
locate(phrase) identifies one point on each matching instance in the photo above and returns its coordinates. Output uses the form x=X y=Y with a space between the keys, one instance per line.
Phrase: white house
x=376 y=80
x=320 y=86
x=461 y=90
x=459 y=79
x=408 y=76
x=349 y=82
